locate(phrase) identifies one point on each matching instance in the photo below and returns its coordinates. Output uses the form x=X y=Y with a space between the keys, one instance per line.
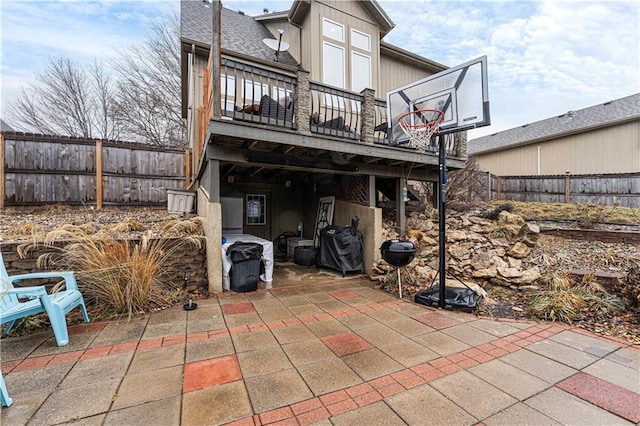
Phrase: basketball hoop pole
x=441 y=228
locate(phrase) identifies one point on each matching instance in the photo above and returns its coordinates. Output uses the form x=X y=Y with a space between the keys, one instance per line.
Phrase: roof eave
x=406 y=56
x=298 y=11
x=384 y=21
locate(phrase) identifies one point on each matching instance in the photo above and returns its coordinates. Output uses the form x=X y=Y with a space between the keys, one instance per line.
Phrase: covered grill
x=398 y=252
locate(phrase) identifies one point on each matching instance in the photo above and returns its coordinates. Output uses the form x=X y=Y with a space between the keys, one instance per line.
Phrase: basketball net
x=426 y=123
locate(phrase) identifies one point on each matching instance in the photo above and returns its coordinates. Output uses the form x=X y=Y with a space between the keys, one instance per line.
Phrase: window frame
x=328 y=35
x=365 y=35
x=250 y=200
x=325 y=62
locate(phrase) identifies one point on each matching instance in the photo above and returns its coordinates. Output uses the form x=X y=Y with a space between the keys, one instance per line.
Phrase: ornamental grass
x=118 y=273
x=567 y=300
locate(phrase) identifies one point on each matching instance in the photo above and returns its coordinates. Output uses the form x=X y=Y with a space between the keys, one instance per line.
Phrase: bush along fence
x=606 y=189
x=42 y=169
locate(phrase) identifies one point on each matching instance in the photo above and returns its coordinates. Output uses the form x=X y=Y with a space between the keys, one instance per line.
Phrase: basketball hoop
x=420 y=125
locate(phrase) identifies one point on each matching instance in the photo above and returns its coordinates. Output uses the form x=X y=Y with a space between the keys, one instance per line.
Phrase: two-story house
x=277 y=130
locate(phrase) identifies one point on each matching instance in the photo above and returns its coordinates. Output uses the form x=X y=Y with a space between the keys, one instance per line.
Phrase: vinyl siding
x=352 y=16
x=614 y=149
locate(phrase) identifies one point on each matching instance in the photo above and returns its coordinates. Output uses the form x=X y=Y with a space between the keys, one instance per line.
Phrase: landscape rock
x=519 y=250
x=528 y=234
x=529 y=276
x=509 y=273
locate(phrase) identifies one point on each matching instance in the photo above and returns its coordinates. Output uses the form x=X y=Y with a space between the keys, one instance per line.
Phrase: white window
x=332 y=30
x=227 y=92
x=256 y=209
x=360 y=40
x=252 y=91
x=333 y=65
x=360 y=72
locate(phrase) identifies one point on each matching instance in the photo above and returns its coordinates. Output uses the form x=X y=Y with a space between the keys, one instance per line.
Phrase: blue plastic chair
x=4 y=395
x=57 y=305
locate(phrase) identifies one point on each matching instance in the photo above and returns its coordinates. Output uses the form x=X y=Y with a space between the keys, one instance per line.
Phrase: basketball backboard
x=460 y=92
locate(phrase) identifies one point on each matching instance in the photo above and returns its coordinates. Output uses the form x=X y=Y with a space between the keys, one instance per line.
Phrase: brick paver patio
x=334 y=353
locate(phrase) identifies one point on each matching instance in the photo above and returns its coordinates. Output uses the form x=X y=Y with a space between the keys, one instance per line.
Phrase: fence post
x=566 y=189
x=489 y=184
x=187 y=168
x=498 y=188
x=98 y=174
x=2 y=172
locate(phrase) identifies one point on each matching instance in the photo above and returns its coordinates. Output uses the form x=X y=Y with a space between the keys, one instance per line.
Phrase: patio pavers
x=162 y=412
x=473 y=394
x=328 y=354
x=501 y=375
x=604 y=394
x=276 y=390
x=328 y=375
x=149 y=386
x=211 y=372
x=346 y=343
x=537 y=365
x=565 y=408
x=615 y=373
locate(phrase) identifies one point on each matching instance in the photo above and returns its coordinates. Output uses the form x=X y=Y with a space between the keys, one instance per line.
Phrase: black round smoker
x=398 y=253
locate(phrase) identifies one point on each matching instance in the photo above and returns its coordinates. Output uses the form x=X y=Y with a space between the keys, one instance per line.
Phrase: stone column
x=302 y=101
x=368 y=115
x=462 y=147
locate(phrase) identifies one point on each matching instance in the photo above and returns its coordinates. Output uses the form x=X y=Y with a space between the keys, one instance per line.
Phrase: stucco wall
x=212 y=212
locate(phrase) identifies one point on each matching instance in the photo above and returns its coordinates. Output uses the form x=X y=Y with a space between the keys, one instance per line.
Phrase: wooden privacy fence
x=607 y=189
x=43 y=169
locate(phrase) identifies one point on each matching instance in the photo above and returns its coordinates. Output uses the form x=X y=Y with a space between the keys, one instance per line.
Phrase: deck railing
x=335 y=112
x=263 y=95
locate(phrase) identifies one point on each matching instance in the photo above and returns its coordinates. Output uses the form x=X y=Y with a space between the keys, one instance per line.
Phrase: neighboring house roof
x=571 y=122
x=240 y=33
x=4 y=127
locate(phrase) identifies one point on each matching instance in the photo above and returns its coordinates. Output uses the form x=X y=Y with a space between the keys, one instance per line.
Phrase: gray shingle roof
x=570 y=122
x=240 y=33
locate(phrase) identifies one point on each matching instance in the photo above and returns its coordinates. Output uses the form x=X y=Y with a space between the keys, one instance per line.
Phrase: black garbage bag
x=341 y=248
x=240 y=251
x=245 y=271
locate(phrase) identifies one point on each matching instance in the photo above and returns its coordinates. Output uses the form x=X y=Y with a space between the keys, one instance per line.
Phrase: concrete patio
x=333 y=353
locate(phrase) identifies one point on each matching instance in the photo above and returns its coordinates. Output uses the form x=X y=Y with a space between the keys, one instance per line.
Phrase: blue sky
x=545 y=57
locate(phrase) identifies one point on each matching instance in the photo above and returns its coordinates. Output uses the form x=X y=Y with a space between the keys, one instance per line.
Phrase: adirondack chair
x=4 y=395
x=56 y=305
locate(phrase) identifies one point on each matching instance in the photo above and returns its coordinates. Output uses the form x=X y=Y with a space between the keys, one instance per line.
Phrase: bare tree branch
x=139 y=101
x=148 y=101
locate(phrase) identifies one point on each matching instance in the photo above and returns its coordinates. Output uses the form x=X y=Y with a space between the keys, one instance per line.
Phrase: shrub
x=493 y=214
x=592 y=215
x=120 y=274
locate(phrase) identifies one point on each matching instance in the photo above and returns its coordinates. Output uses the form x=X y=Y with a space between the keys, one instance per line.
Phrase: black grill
x=398 y=252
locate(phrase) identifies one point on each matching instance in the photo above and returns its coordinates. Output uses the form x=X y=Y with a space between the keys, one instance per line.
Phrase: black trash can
x=305 y=255
x=245 y=268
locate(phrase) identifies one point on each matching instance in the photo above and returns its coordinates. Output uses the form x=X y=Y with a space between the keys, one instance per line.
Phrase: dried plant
x=564 y=300
x=592 y=215
x=122 y=275
x=505 y=232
